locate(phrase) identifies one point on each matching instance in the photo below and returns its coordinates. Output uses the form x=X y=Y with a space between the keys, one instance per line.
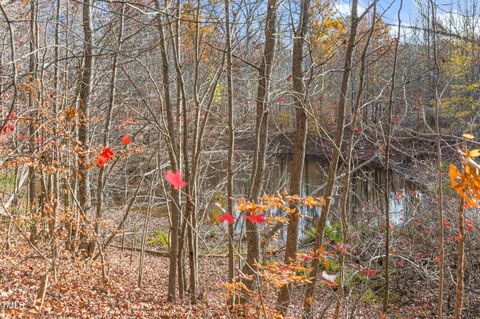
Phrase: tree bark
x=460 y=261
x=261 y=134
x=298 y=157
x=83 y=129
x=173 y=154
x=332 y=169
x=231 y=141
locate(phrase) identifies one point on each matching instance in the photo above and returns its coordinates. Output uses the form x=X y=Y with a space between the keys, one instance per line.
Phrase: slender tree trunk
x=231 y=145
x=32 y=185
x=173 y=154
x=387 y=167
x=261 y=134
x=83 y=129
x=231 y=141
x=144 y=234
x=441 y=234
x=111 y=106
x=299 y=145
x=344 y=202
x=332 y=169
x=460 y=261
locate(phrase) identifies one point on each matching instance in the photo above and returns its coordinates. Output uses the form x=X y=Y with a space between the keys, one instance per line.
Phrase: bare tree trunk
x=231 y=141
x=298 y=157
x=111 y=106
x=173 y=154
x=344 y=202
x=261 y=134
x=387 y=166
x=144 y=234
x=83 y=130
x=32 y=185
x=332 y=169
x=441 y=234
x=460 y=261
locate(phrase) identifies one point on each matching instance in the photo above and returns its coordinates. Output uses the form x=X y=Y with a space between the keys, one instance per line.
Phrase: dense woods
x=239 y=159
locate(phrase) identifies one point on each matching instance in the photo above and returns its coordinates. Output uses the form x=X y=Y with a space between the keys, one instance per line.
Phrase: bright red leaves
x=107 y=152
x=105 y=156
x=256 y=219
x=101 y=160
x=281 y=100
x=175 y=179
x=126 y=140
x=227 y=217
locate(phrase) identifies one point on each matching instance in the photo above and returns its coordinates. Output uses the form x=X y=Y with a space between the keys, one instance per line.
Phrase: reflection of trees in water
x=366 y=202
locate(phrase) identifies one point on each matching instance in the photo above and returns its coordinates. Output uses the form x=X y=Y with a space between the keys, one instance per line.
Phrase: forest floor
x=80 y=292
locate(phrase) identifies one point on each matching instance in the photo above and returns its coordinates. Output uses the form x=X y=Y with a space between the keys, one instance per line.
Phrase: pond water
x=366 y=200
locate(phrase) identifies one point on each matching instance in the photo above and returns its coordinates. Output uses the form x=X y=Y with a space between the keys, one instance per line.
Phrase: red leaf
x=369 y=272
x=341 y=247
x=400 y=263
x=175 y=179
x=101 y=160
x=9 y=128
x=107 y=152
x=227 y=217
x=22 y=137
x=446 y=223
x=256 y=219
x=126 y=140
x=469 y=224
x=280 y=100
x=329 y=279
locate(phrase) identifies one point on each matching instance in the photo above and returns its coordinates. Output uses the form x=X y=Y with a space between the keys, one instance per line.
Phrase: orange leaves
x=473 y=153
x=467 y=183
